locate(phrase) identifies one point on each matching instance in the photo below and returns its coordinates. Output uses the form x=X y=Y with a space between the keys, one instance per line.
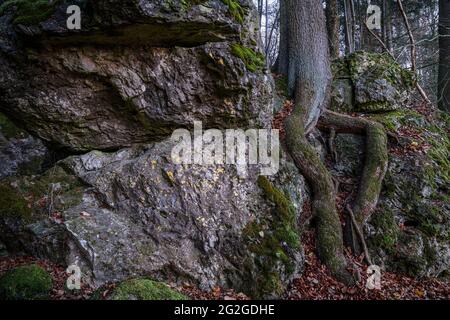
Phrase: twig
x=380 y=41
x=360 y=235
x=413 y=50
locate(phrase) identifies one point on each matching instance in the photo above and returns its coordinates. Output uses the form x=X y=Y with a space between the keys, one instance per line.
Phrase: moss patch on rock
x=273 y=241
x=30 y=12
x=386 y=230
x=379 y=83
x=236 y=10
x=29 y=282
x=12 y=203
x=29 y=197
x=254 y=61
x=145 y=289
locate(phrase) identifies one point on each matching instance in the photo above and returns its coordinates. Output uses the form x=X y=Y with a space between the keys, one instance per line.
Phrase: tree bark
x=444 y=56
x=375 y=165
x=332 y=15
x=309 y=80
x=283 y=55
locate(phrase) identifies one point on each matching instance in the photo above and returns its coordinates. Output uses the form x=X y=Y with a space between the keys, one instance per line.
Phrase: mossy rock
x=274 y=242
x=9 y=129
x=29 y=12
x=29 y=282
x=12 y=203
x=236 y=10
x=187 y=4
x=145 y=289
x=254 y=61
x=379 y=83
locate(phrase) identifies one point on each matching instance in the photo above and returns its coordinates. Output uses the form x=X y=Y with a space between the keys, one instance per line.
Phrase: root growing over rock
x=375 y=166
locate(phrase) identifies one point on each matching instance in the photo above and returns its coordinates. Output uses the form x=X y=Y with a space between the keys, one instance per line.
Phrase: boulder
x=133 y=212
x=121 y=80
x=370 y=82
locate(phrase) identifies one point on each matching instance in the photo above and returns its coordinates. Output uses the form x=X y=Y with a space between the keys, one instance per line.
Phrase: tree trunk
x=333 y=25
x=387 y=23
x=309 y=80
x=349 y=27
x=283 y=58
x=444 y=56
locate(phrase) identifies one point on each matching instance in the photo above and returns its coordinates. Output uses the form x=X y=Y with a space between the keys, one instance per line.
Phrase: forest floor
x=315 y=283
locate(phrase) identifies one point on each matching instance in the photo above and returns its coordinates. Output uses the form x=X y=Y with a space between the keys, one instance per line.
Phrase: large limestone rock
x=136 y=71
x=134 y=212
x=111 y=94
x=370 y=82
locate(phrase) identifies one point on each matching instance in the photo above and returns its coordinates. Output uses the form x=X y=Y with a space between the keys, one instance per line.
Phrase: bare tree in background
x=444 y=56
x=333 y=27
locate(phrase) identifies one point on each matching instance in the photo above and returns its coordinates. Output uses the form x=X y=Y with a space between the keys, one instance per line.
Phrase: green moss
x=254 y=61
x=187 y=4
x=25 y=283
x=236 y=10
x=9 y=129
x=12 y=203
x=30 y=12
x=145 y=289
x=272 y=240
x=393 y=120
x=387 y=230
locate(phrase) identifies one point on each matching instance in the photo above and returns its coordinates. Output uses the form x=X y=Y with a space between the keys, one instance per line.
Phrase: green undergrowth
x=29 y=197
x=12 y=203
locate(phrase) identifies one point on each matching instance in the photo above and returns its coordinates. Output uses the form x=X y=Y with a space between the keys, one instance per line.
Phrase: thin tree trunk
x=444 y=56
x=413 y=51
x=283 y=55
x=332 y=15
x=349 y=34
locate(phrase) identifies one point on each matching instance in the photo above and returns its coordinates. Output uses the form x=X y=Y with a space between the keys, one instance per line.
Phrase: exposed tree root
x=360 y=235
x=375 y=166
x=329 y=231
